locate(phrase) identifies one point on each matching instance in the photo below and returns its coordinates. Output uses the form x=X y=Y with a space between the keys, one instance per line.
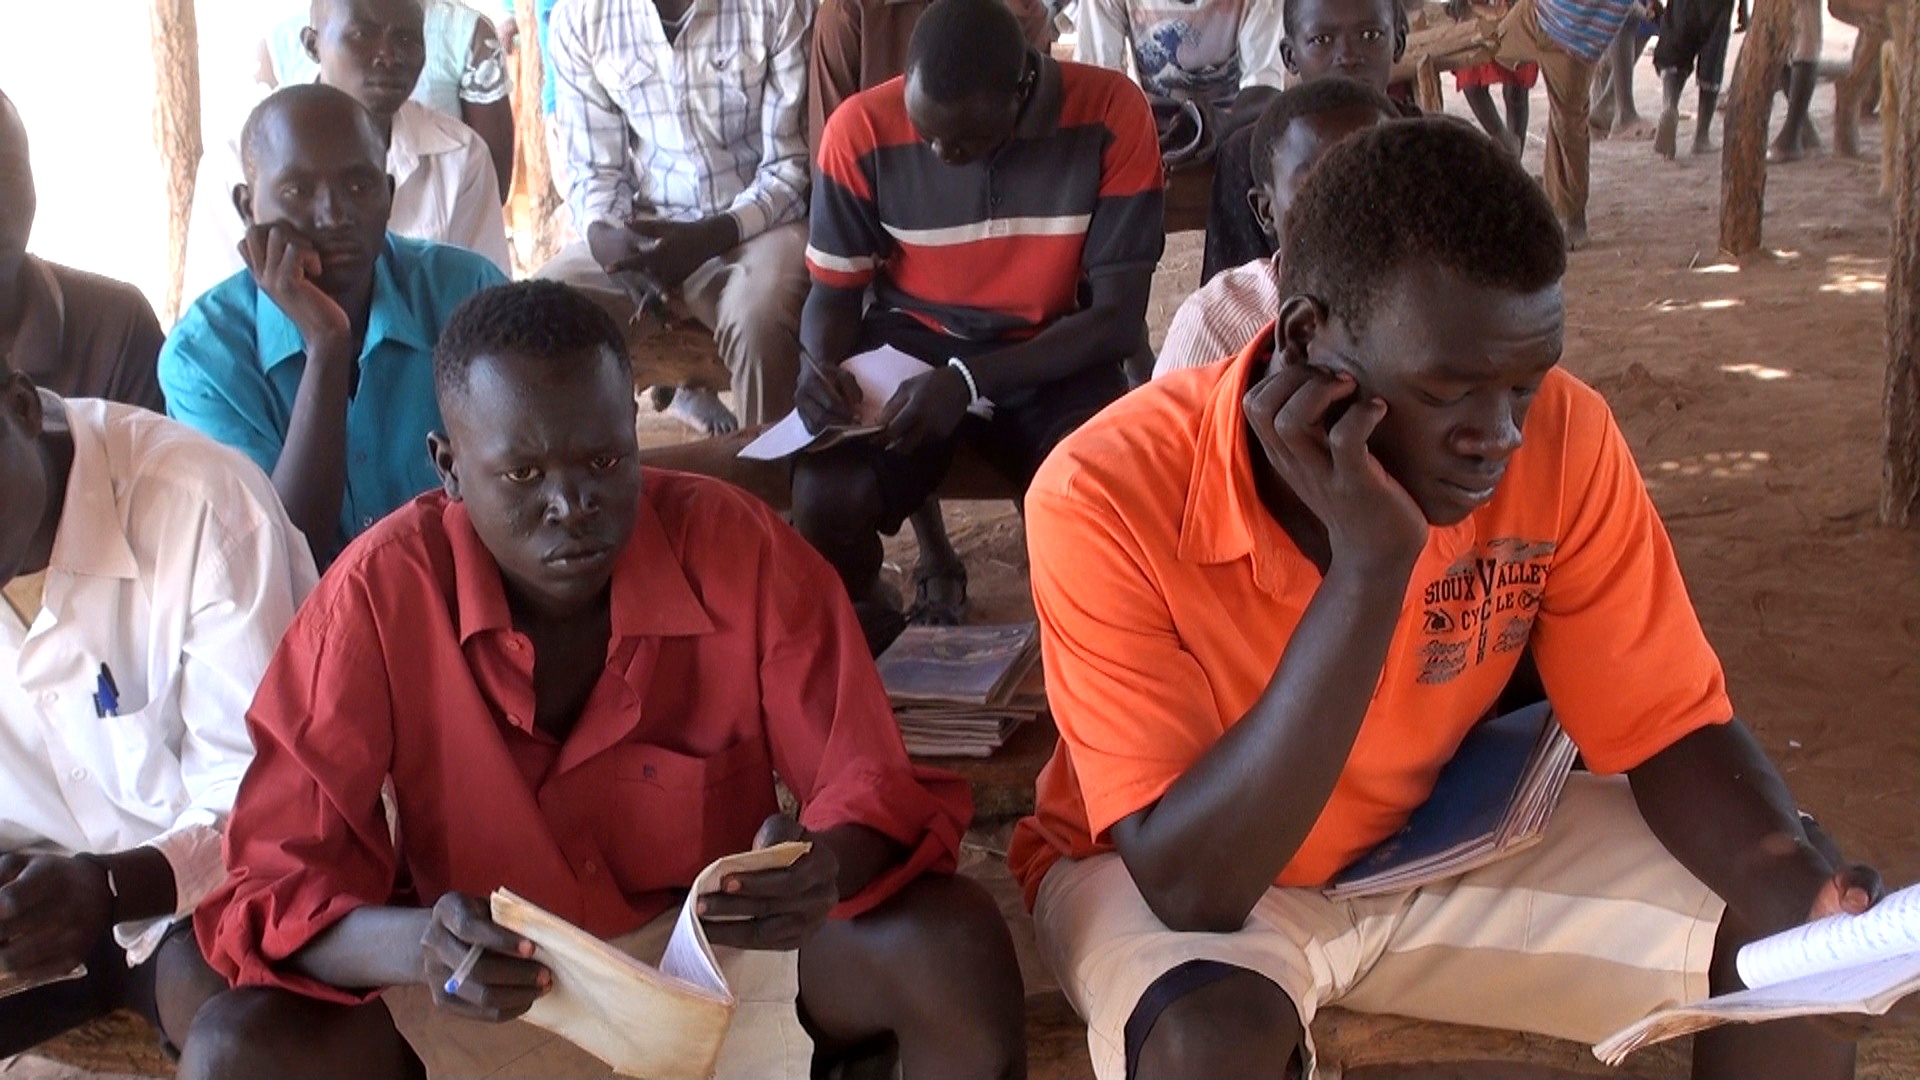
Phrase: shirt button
x=78 y=774
x=590 y=867
x=366 y=523
x=49 y=697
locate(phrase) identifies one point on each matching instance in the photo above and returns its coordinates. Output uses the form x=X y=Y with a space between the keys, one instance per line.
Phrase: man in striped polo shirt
x=997 y=214
x=1566 y=38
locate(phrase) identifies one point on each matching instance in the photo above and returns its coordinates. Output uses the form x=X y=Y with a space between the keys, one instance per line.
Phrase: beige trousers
x=1568 y=79
x=765 y=1041
x=1583 y=933
x=750 y=297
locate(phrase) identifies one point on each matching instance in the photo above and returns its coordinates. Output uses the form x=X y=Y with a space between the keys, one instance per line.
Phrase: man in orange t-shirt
x=1276 y=593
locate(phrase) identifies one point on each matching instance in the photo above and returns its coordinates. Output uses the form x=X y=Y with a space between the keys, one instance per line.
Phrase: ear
x=1301 y=319
x=310 y=41
x=440 y=449
x=1292 y=62
x=243 y=203
x=1261 y=204
x=1401 y=30
x=21 y=404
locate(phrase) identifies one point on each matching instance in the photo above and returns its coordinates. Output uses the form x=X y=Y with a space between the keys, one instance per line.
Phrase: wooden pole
x=1900 y=492
x=176 y=127
x=534 y=204
x=1743 y=163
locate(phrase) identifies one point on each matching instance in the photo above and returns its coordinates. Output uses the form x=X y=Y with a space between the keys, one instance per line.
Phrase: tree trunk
x=1900 y=495
x=1850 y=90
x=1743 y=163
x=176 y=127
x=1448 y=45
x=535 y=206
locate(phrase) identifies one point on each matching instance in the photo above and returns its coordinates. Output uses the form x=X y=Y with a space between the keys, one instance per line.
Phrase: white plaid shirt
x=715 y=123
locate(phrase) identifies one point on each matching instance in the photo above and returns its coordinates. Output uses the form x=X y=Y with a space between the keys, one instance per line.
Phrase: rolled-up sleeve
x=308 y=841
x=778 y=192
x=835 y=741
x=1128 y=227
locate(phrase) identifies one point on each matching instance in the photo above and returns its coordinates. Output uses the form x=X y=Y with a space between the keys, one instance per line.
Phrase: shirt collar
x=1041 y=117
x=89 y=539
x=389 y=319
x=1225 y=519
x=415 y=136
x=43 y=317
x=651 y=594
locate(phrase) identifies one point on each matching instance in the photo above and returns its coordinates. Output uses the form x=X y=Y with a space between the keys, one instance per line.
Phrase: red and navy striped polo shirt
x=995 y=249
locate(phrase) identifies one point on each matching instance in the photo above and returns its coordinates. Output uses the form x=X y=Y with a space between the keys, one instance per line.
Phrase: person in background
x=1475 y=84
x=72 y=332
x=1694 y=35
x=1360 y=39
x=317 y=362
x=681 y=128
x=442 y=180
x=1303 y=123
x=146 y=575
x=464 y=76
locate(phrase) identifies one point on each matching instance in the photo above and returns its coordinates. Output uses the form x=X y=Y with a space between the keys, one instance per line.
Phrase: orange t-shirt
x=1167 y=593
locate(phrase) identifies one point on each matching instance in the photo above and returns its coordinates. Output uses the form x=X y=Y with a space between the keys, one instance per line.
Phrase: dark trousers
x=1234 y=235
x=31 y=1018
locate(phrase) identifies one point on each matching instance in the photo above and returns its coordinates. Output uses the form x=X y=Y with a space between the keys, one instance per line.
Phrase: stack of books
x=1492 y=799
x=962 y=691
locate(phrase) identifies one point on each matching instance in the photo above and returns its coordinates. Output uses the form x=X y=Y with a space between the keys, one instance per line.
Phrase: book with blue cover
x=1492 y=799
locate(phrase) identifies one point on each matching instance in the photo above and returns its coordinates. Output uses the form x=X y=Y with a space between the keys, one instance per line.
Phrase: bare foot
x=1633 y=127
x=1702 y=145
x=701 y=410
x=1576 y=234
x=1784 y=151
x=1667 y=133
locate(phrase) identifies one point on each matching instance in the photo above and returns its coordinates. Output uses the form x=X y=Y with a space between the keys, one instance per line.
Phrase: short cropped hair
x=1432 y=191
x=543 y=319
x=964 y=48
x=1309 y=99
x=304 y=96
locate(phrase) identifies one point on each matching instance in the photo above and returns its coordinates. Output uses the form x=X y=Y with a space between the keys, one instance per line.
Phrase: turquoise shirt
x=232 y=367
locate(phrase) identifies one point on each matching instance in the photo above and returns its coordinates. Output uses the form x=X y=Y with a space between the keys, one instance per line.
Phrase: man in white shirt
x=444 y=188
x=147 y=575
x=681 y=126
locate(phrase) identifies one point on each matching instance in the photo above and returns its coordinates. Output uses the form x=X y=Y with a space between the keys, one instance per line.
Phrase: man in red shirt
x=579 y=680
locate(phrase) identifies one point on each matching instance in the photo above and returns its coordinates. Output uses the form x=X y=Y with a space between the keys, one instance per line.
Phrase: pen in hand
x=463 y=970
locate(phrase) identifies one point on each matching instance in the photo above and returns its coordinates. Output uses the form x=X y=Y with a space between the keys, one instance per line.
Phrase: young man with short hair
x=443 y=184
x=318 y=361
x=1219 y=318
x=581 y=680
x=1360 y=39
x=683 y=159
x=1276 y=593
x=146 y=575
x=72 y=332
x=996 y=213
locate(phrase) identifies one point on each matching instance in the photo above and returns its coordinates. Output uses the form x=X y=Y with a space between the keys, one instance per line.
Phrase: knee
x=833 y=498
x=972 y=1018
x=257 y=1031
x=1241 y=1025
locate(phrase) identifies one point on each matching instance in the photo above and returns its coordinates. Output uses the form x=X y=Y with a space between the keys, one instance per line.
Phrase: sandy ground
x=1751 y=394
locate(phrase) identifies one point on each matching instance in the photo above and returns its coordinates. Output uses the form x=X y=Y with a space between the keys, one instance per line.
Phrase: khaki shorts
x=765 y=1041
x=1576 y=937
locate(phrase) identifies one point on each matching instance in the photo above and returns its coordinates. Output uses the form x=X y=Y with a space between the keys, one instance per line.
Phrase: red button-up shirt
x=734 y=657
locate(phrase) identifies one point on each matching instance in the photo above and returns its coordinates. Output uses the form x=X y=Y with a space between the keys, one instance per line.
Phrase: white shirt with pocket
x=174 y=567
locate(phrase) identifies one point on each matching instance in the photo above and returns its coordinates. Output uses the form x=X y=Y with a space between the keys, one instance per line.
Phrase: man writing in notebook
x=581 y=680
x=996 y=214
x=146 y=574
x=1276 y=593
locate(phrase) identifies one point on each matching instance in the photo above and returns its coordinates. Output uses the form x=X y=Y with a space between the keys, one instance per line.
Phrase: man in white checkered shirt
x=681 y=130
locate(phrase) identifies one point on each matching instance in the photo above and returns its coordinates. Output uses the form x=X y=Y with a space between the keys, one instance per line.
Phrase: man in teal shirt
x=317 y=361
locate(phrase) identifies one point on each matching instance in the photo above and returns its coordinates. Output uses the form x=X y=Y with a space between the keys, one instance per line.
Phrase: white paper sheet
x=1889 y=927
x=879 y=374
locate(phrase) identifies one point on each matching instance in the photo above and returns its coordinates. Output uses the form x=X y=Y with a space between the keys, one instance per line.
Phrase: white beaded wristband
x=973 y=388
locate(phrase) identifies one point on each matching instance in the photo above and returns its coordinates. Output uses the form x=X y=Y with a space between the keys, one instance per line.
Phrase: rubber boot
x=1667 y=133
x=1788 y=145
x=1702 y=128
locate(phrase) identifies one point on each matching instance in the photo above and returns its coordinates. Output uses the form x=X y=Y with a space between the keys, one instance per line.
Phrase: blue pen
x=463 y=970
x=106 y=696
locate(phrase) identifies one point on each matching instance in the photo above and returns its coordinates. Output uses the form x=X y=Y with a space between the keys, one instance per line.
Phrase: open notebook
x=878 y=373
x=1842 y=964
x=641 y=1020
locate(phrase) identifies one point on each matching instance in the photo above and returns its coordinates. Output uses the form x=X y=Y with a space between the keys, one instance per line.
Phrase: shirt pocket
x=672 y=813
x=135 y=756
x=727 y=102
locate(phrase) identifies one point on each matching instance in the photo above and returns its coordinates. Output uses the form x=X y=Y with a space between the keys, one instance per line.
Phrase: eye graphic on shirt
x=1485 y=602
